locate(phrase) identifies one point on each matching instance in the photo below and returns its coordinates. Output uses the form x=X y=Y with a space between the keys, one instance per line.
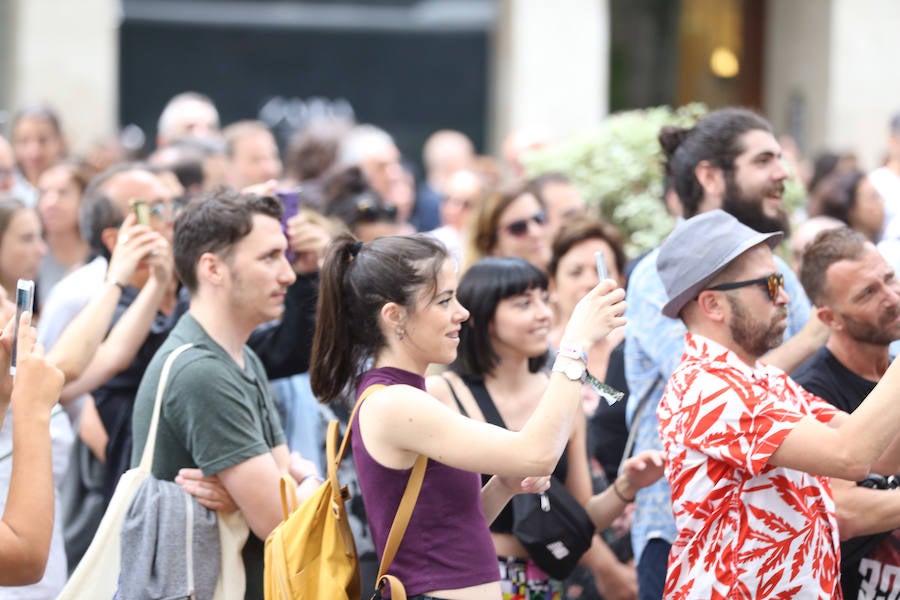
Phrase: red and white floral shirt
x=745 y=529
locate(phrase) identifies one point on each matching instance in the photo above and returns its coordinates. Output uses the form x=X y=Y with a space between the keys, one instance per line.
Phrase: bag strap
x=340 y=455
x=407 y=502
x=632 y=431
x=146 y=463
x=485 y=403
x=404 y=513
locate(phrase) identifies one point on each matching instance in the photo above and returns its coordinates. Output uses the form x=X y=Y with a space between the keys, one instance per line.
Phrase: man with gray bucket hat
x=749 y=451
x=731 y=160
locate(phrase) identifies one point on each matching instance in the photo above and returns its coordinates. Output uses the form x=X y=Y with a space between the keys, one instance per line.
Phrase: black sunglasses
x=369 y=209
x=520 y=227
x=774 y=282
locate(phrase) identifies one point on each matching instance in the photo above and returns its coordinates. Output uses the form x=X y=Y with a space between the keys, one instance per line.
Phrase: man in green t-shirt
x=217 y=412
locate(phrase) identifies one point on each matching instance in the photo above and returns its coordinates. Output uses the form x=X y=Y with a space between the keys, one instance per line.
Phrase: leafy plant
x=618 y=169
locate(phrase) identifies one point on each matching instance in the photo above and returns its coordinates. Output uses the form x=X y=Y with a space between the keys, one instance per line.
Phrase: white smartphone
x=24 y=303
x=601 y=265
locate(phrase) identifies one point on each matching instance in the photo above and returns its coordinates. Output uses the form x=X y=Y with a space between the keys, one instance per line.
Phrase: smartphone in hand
x=290 y=201
x=24 y=303
x=141 y=211
x=601 y=265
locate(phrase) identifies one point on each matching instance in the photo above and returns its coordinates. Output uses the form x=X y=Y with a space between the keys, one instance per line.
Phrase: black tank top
x=504 y=521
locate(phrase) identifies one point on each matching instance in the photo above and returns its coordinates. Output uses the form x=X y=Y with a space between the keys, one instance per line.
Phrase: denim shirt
x=654 y=345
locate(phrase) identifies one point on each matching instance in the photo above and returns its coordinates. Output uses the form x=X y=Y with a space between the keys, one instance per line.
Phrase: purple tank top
x=447 y=544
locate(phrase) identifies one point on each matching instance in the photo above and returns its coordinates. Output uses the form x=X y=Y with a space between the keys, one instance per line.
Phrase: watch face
x=574 y=370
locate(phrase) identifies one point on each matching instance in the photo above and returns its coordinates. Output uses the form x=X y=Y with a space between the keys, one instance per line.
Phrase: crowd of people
x=753 y=453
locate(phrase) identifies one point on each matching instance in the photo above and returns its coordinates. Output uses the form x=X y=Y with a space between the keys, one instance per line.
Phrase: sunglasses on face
x=520 y=227
x=369 y=209
x=773 y=283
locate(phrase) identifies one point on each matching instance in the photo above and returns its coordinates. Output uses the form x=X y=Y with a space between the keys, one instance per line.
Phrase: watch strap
x=573 y=352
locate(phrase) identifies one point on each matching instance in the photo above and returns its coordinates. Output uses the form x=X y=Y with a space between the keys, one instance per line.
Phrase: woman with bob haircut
x=503 y=351
x=387 y=310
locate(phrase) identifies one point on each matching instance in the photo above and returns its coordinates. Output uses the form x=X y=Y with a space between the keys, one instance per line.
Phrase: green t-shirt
x=214 y=415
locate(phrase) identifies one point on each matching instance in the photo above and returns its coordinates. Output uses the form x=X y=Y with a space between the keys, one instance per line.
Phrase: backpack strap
x=404 y=512
x=366 y=393
x=407 y=502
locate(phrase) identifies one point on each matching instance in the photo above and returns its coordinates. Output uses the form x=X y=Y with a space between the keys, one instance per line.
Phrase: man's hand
x=308 y=236
x=208 y=491
x=134 y=244
x=162 y=263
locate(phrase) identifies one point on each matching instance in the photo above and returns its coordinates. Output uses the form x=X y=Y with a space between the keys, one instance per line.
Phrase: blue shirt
x=654 y=344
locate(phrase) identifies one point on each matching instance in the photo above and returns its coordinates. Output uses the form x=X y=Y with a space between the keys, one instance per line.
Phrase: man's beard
x=754 y=337
x=875 y=334
x=749 y=211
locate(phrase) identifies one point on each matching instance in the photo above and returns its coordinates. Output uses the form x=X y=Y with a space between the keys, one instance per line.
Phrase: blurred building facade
x=821 y=70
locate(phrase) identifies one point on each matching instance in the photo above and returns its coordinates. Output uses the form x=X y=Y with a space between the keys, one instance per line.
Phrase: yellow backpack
x=311 y=554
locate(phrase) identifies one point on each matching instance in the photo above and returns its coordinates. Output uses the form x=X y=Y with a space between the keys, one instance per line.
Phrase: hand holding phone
x=601 y=265
x=24 y=303
x=290 y=201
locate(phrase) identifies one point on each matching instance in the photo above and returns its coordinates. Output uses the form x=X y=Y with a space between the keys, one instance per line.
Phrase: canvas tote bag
x=97 y=575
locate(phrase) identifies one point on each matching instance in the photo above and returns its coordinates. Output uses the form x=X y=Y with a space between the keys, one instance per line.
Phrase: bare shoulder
x=439 y=387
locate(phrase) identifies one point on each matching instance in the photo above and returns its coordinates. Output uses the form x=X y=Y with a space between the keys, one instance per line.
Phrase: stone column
x=550 y=66
x=66 y=54
x=830 y=73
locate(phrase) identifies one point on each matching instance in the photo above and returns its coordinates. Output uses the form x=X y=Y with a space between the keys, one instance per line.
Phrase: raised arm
x=849 y=446
x=79 y=341
x=27 y=524
x=118 y=350
x=400 y=422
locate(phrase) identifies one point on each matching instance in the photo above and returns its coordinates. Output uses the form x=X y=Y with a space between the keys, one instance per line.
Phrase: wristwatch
x=574 y=370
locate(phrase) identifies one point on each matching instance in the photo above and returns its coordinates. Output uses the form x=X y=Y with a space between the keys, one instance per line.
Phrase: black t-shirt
x=826 y=377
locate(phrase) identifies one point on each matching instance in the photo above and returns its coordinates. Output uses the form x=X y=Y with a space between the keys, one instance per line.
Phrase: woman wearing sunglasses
x=513 y=222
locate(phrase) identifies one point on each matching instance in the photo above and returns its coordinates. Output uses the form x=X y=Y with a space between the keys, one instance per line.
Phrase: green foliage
x=618 y=169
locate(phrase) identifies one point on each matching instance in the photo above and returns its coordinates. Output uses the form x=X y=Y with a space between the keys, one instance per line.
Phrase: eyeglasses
x=520 y=227
x=773 y=282
x=370 y=209
x=163 y=211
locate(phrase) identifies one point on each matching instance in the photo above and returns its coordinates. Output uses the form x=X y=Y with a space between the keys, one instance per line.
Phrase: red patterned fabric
x=745 y=529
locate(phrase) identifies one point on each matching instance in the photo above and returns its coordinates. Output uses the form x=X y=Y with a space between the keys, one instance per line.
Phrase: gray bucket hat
x=699 y=249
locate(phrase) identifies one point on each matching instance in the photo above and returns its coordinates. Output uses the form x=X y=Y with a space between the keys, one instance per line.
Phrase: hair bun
x=670 y=138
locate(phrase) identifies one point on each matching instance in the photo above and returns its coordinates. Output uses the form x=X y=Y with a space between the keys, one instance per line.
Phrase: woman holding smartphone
x=387 y=310
x=499 y=370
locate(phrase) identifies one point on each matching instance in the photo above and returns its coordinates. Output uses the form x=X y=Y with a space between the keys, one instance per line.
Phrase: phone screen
x=24 y=303
x=601 y=265
x=141 y=212
x=290 y=201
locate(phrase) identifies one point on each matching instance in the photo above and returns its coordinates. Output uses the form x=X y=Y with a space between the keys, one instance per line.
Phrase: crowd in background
x=65 y=223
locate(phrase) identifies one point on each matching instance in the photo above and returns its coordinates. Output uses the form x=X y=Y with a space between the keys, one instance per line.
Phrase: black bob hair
x=481 y=289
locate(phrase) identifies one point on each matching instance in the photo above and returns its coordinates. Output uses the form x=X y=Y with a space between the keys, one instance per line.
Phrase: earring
x=400 y=334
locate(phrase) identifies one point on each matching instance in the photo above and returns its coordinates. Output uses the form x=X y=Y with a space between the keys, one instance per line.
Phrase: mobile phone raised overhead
x=24 y=303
